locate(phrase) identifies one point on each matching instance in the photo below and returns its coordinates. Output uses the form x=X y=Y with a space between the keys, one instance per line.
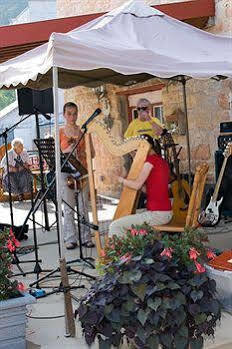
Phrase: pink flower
x=20 y=286
x=10 y=246
x=200 y=268
x=16 y=242
x=11 y=233
x=167 y=252
x=134 y=232
x=210 y=254
x=193 y=253
x=126 y=257
x=143 y=232
x=102 y=253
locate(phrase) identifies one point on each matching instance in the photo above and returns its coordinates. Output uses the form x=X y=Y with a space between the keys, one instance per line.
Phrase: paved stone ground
x=46 y=333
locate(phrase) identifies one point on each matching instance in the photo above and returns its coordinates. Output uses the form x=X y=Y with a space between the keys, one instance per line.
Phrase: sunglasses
x=142 y=108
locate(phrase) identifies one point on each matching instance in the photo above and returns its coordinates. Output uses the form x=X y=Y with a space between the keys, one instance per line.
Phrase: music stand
x=69 y=164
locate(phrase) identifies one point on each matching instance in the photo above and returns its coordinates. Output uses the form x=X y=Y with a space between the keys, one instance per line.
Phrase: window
x=158 y=112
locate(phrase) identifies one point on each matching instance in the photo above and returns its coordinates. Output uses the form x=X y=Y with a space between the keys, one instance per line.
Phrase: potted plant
x=13 y=300
x=154 y=292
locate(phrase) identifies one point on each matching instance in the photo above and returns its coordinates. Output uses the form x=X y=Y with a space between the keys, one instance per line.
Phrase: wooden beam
x=136 y=91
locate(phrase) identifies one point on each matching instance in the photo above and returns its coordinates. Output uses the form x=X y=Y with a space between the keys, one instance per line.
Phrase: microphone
x=96 y=113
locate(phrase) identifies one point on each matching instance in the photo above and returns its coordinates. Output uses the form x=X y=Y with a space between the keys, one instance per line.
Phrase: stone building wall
x=208 y=101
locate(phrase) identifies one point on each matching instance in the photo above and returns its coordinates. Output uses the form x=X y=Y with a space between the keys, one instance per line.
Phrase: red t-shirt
x=157 y=184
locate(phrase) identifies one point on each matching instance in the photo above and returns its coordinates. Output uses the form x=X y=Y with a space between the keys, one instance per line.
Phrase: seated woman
x=19 y=175
x=155 y=176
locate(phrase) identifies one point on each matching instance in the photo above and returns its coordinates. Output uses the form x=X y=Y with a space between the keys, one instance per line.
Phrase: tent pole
x=183 y=81
x=70 y=329
x=57 y=158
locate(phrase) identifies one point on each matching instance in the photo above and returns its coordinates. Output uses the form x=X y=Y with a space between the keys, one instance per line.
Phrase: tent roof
x=128 y=45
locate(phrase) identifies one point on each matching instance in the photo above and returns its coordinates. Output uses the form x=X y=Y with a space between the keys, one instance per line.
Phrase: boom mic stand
x=69 y=269
x=37 y=269
x=15 y=257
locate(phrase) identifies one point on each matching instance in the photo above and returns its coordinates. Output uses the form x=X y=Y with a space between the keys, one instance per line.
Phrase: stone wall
x=66 y=8
x=207 y=101
x=208 y=105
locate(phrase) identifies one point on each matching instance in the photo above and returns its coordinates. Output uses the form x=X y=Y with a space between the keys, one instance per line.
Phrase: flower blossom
x=143 y=232
x=10 y=246
x=134 y=232
x=167 y=252
x=102 y=253
x=210 y=254
x=126 y=257
x=200 y=268
x=20 y=286
x=193 y=253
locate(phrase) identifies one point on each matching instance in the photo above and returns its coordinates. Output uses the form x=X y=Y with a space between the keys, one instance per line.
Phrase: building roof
x=17 y=39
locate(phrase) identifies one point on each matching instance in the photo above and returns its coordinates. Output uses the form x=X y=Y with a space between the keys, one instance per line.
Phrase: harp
x=117 y=147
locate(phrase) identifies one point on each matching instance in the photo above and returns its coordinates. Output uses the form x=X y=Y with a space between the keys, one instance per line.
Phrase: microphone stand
x=15 y=257
x=93 y=226
x=36 y=112
x=37 y=269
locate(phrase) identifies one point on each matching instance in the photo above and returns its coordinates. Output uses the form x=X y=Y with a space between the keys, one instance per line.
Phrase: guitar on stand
x=211 y=215
x=180 y=188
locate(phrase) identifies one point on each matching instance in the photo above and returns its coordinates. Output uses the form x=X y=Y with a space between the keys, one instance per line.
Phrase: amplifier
x=223 y=140
x=226 y=127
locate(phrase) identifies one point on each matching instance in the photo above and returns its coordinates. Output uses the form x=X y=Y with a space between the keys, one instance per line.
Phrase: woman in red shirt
x=154 y=176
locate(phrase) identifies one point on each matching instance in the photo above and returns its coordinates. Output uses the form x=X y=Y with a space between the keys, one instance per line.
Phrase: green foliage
x=8 y=288
x=6 y=98
x=151 y=293
x=10 y=9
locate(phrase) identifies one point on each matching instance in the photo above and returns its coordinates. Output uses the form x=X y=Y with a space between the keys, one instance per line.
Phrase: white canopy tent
x=128 y=45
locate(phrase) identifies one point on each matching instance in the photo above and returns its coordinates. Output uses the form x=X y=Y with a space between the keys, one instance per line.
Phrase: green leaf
x=129 y=305
x=154 y=303
x=183 y=331
x=108 y=309
x=139 y=290
x=148 y=261
x=181 y=298
x=200 y=318
x=166 y=339
x=195 y=295
x=129 y=277
x=114 y=316
x=173 y=286
x=104 y=343
x=142 y=316
x=166 y=304
x=135 y=275
x=180 y=342
x=141 y=333
x=197 y=343
x=137 y=258
x=153 y=342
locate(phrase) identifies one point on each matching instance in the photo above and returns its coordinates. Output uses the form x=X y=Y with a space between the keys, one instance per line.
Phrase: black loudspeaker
x=226 y=127
x=34 y=100
x=20 y=235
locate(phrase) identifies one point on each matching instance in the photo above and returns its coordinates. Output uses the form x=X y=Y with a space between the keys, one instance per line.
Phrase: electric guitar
x=210 y=216
x=180 y=187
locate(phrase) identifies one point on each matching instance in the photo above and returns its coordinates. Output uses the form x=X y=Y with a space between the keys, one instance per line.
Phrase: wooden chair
x=194 y=204
x=5 y=196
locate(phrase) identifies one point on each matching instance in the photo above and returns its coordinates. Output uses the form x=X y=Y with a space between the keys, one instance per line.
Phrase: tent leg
x=183 y=81
x=69 y=316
